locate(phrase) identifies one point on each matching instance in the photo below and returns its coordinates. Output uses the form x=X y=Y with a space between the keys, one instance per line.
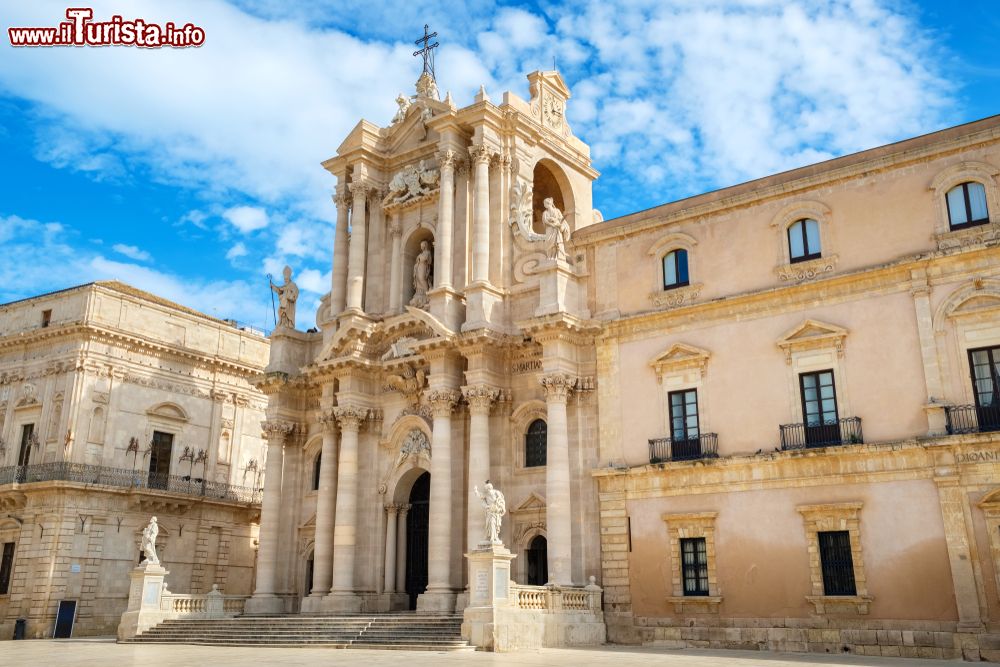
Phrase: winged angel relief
x=557 y=230
x=408 y=382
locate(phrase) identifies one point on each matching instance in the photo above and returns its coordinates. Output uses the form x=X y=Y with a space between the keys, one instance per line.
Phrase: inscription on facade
x=979 y=457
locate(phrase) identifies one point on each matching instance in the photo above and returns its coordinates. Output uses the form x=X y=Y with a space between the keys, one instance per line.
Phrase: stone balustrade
x=210 y=605
x=556 y=598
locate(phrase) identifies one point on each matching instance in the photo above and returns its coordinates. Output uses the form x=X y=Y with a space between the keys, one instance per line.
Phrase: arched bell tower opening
x=549 y=180
x=413 y=251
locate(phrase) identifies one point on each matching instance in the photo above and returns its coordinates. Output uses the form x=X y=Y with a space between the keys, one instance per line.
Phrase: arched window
x=967 y=205
x=803 y=240
x=316 y=466
x=535 y=444
x=675 y=269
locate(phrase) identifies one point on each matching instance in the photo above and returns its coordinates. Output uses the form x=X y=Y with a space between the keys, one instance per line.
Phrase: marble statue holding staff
x=288 y=294
x=496 y=507
x=148 y=544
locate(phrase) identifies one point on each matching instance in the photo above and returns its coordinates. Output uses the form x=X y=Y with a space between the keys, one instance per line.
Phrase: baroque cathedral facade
x=762 y=417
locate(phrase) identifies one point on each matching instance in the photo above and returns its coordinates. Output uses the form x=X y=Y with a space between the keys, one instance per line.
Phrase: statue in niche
x=148 y=543
x=423 y=269
x=557 y=229
x=495 y=506
x=288 y=294
x=404 y=106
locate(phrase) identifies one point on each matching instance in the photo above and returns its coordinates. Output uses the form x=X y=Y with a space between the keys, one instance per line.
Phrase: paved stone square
x=102 y=652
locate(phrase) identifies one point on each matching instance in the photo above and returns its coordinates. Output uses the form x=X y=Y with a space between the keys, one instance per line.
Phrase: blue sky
x=193 y=173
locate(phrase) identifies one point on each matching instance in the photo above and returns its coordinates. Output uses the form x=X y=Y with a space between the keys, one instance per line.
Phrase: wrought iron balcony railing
x=704 y=446
x=845 y=431
x=972 y=418
x=136 y=479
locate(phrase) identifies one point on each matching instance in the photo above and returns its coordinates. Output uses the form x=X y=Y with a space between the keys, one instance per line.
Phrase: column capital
x=395 y=229
x=480 y=153
x=341 y=198
x=328 y=419
x=480 y=397
x=361 y=188
x=277 y=430
x=557 y=387
x=403 y=508
x=350 y=417
x=443 y=401
x=448 y=159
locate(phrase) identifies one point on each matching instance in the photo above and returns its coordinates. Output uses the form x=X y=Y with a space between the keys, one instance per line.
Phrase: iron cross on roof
x=426 y=52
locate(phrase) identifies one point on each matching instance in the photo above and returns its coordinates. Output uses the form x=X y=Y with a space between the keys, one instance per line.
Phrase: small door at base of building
x=64 y=619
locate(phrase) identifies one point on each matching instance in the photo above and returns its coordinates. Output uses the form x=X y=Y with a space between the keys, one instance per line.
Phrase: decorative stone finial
x=482 y=95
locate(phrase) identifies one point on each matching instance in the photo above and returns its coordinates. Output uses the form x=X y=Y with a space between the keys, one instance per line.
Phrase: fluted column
x=338 y=293
x=270 y=507
x=439 y=591
x=480 y=155
x=345 y=530
x=390 y=547
x=446 y=217
x=558 y=522
x=401 y=548
x=396 y=268
x=325 y=499
x=480 y=399
x=356 y=256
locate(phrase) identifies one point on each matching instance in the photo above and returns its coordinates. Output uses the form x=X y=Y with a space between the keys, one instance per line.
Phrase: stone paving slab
x=102 y=652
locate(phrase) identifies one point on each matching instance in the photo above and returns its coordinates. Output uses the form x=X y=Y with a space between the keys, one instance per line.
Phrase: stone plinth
x=489 y=593
x=448 y=306
x=289 y=350
x=265 y=605
x=559 y=290
x=482 y=299
x=144 y=596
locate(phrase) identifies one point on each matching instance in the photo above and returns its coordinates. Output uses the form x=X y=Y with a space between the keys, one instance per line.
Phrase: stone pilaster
x=559 y=532
x=356 y=256
x=481 y=155
x=396 y=266
x=342 y=594
x=960 y=552
x=390 y=547
x=480 y=399
x=446 y=216
x=404 y=510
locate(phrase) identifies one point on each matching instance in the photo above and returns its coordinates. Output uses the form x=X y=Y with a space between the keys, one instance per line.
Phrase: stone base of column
x=264 y=604
x=342 y=602
x=559 y=290
x=440 y=600
x=448 y=306
x=483 y=310
x=937 y=420
x=312 y=603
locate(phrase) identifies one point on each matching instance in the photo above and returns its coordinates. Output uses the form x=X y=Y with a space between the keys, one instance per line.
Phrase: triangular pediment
x=533 y=503
x=813 y=334
x=364 y=133
x=680 y=356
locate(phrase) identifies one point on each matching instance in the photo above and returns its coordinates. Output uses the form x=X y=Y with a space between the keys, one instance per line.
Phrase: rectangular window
x=837 y=563
x=684 y=431
x=160 y=453
x=6 y=567
x=694 y=565
x=46 y=318
x=985 y=365
x=27 y=439
x=819 y=408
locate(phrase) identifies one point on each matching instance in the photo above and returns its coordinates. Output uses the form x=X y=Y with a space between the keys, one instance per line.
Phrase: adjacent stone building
x=763 y=417
x=116 y=405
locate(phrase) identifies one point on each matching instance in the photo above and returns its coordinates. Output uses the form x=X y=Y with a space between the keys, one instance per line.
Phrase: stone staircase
x=410 y=631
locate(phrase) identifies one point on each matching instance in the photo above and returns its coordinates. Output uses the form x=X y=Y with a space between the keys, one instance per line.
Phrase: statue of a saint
x=422 y=271
x=496 y=507
x=148 y=543
x=557 y=228
x=404 y=106
x=288 y=294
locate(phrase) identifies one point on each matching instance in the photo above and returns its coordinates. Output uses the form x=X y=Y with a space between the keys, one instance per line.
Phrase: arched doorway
x=538 y=561
x=416 y=538
x=309 y=576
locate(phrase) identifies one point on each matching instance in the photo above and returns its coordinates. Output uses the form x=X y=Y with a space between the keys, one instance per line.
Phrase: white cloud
x=132 y=252
x=313 y=281
x=246 y=218
x=238 y=250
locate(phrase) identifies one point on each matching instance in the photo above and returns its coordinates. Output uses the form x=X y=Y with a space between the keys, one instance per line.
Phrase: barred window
x=837 y=563
x=535 y=444
x=694 y=565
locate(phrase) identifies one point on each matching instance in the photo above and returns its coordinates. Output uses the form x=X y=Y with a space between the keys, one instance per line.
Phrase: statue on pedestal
x=288 y=294
x=496 y=507
x=557 y=228
x=148 y=543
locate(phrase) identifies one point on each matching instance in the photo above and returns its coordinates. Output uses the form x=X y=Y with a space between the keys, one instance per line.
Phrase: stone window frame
x=990 y=505
x=964 y=172
x=673 y=297
x=312 y=449
x=10 y=531
x=520 y=420
x=794 y=272
x=820 y=351
x=685 y=525
x=678 y=368
x=835 y=517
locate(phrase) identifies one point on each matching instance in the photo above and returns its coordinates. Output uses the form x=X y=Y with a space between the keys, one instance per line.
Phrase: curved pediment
x=170 y=411
x=375 y=340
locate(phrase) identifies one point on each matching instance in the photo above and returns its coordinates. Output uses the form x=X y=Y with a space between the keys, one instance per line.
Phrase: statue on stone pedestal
x=557 y=228
x=422 y=271
x=288 y=294
x=496 y=507
x=148 y=543
x=404 y=106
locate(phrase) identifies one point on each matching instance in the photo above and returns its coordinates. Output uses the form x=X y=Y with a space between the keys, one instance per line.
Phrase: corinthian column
x=264 y=600
x=480 y=399
x=323 y=551
x=558 y=523
x=342 y=595
x=390 y=547
x=440 y=596
x=396 y=268
x=338 y=293
x=356 y=258
x=446 y=216
x=401 y=548
x=480 y=155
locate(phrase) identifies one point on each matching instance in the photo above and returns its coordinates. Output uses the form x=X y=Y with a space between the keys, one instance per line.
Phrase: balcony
x=972 y=419
x=705 y=446
x=845 y=431
x=127 y=479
